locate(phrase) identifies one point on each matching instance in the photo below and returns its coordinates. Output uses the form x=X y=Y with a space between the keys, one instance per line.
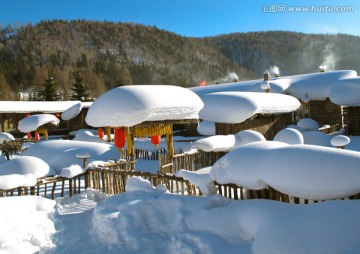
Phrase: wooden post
x=108 y=134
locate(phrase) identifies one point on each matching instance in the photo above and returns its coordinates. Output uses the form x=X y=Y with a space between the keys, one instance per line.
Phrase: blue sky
x=195 y=17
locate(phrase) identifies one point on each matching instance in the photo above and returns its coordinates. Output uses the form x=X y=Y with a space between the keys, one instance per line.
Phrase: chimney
x=266 y=76
x=322 y=68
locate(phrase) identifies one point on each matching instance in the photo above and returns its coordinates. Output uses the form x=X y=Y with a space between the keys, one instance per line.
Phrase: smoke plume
x=329 y=61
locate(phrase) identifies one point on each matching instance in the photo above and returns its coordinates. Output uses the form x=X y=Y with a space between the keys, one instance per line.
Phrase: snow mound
x=290 y=136
x=206 y=128
x=247 y=136
x=140 y=222
x=31 y=123
x=340 y=140
x=308 y=124
x=317 y=138
x=304 y=171
x=71 y=112
x=217 y=143
x=200 y=179
x=63 y=153
x=72 y=171
x=4 y=136
x=131 y=105
x=12 y=181
x=26 y=165
x=26 y=224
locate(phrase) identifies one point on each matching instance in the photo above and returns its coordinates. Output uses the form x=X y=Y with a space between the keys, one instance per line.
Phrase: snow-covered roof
x=236 y=107
x=131 y=105
x=316 y=85
x=346 y=92
x=31 y=123
x=38 y=106
x=278 y=85
x=72 y=112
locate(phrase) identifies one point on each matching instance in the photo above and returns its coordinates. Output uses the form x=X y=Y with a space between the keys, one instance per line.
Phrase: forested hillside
x=293 y=53
x=103 y=55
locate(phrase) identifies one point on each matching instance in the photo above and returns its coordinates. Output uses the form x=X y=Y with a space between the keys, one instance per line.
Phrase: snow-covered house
x=144 y=110
x=312 y=90
x=346 y=93
x=11 y=112
x=232 y=112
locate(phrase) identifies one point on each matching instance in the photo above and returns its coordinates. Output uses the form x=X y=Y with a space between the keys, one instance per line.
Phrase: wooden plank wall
x=352 y=120
x=268 y=125
x=326 y=113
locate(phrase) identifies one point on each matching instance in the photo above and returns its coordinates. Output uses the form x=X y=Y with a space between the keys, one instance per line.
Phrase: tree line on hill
x=82 y=59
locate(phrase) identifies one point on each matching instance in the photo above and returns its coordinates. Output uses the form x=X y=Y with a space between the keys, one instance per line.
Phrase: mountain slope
x=109 y=54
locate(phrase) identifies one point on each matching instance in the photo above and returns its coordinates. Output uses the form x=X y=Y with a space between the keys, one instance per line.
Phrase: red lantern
x=156 y=140
x=37 y=137
x=28 y=135
x=119 y=137
x=101 y=133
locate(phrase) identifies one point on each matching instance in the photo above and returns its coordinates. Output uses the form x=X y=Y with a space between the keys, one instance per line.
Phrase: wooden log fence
x=114 y=182
x=48 y=186
x=191 y=162
x=239 y=193
x=145 y=154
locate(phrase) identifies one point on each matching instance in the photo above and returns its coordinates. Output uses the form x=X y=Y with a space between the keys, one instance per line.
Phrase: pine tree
x=79 y=89
x=49 y=93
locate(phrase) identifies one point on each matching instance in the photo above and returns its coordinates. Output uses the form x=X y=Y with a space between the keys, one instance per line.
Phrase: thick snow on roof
x=72 y=112
x=31 y=123
x=316 y=85
x=35 y=106
x=278 y=85
x=304 y=171
x=346 y=92
x=131 y=105
x=236 y=107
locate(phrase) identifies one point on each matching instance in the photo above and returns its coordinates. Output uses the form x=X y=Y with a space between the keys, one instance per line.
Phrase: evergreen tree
x=79 y=89
x=49 y=92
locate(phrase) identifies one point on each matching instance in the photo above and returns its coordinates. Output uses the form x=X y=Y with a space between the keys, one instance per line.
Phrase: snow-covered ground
x=148 y=219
